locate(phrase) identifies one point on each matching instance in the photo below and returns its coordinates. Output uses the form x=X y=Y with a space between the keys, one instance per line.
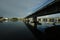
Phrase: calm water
x=15 y=31
x=45 y=25
x=19 y=31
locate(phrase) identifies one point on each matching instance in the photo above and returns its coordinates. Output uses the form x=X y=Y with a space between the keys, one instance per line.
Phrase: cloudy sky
x=19 y=8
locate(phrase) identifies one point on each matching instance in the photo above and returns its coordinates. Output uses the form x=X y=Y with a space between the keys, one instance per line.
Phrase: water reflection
x=1 y=21
x=36 y=33
x=42 y=25
x=8 y=21
x=16 y=30
x=36 y=25
x=44 y=30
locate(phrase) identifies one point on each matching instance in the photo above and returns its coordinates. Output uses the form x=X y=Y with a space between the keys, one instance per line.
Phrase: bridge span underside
x=52 y=8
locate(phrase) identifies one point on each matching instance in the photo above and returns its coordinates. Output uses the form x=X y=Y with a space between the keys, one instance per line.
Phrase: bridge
x=51 y=8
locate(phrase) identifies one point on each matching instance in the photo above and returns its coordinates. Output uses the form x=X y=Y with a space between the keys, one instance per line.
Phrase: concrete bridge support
x=35 y=22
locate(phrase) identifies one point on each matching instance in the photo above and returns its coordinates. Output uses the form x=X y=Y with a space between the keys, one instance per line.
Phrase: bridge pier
x=35 y=22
